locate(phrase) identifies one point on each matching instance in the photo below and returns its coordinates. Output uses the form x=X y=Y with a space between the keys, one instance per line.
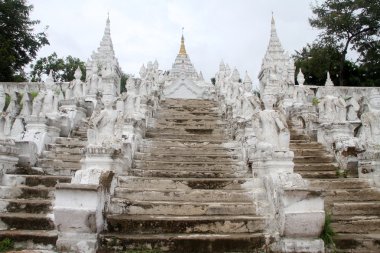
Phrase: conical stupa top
x=274 y=46
x=329 y=82
x=247 y=79
x=106 y=43
x=182 y=49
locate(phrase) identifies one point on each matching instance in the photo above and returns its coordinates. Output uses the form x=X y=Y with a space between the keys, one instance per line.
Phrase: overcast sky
x=236 y=31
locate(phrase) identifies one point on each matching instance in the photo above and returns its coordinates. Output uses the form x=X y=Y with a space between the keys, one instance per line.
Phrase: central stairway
x=188 y=191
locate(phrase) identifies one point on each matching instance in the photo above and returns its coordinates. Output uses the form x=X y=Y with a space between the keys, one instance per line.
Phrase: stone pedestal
x=78 y=216
x=274 y=162
x=8 y=156
x=298 y=213
x=40 y=131
x=98 y=162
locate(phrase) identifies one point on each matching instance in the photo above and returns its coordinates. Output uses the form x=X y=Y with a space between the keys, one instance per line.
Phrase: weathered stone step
x=187 y=120
x=358 y=243
x=354 y=195
x=170 y=173
x=189 y=243
x=157 y=224
x=189 y=157
x=205 y=143
x=316 y=167
x=184 y=208
x=356 y=224
x=340 y=183
x=187 y=137
x=26 y=192
x=302 y=144
x=34 y=180
x=189 y=195
x=314 y=159
x=65 y=149
x=299 y=137
x=70 y=142
x=317 y=174
x=168 y=149
x=186 y=130
x=191 y=125
x=25 y=205
x=182 y=183
x=233 y=165
x=310 y=152
x=67 y=157
x=58 y=164
x=356 y=208
x=41 y=237
x=30 y=221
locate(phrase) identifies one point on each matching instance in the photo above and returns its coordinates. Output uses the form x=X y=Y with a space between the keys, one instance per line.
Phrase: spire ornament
x=182 y=49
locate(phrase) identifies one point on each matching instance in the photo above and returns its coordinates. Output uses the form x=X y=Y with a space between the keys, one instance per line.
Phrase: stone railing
x=346 y=121
x=117 y=126
x=296 y=210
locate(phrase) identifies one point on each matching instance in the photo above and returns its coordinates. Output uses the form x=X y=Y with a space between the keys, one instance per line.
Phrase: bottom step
x=40 y=237
x=189 y=243
x=358 y=243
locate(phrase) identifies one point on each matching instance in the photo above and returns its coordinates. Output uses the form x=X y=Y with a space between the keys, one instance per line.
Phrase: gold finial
x=182 y=49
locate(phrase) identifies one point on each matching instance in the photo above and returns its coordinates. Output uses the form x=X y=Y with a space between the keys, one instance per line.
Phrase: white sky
x=236 y=31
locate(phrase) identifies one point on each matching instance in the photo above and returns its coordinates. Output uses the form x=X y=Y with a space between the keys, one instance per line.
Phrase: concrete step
x=189 y=243
x=173 y=143
x=356 y=224
x=317 y=174
x=59 y=148
x=186 y=130
x=217 y=150
x=67 y=157
x=186 y=137
x=299 y=137
x=26 y=221
x=351 y=195
x=310 y=152
x=313 y=159
x=189 y=157
x=26 y=192
x=184 y=208
x=299 y=144
x=340 y=183
x=314 y=167
x=191 y=195
x=38 y=206
x=47 y=238
x=187 y=165
x=34 y=180
x=156 y=224
x=182 y=183
x=358 y=243
x=190 y=125
x=188 y=173
x=356 y=208
x=70 y=142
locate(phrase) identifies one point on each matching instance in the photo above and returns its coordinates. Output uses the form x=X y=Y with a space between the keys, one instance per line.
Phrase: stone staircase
x=353 y=204
x=27 y=194
x=188 y=190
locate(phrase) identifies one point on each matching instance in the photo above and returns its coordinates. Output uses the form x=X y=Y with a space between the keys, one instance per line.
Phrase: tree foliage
x=63 y=68
x=348 y=24
x=18 y=41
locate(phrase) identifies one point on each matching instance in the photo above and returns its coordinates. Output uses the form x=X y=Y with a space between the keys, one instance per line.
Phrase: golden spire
x=182 y=49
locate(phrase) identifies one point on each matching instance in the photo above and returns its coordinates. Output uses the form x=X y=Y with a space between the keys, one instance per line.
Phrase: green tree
x=63 y=68
x=316 y=59
x=123 y=81
x=347 y=24
x=18 y=41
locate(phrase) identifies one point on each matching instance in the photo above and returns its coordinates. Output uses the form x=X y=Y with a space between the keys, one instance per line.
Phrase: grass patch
x=328 y=233
x=6 y=244
x=315 y=101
